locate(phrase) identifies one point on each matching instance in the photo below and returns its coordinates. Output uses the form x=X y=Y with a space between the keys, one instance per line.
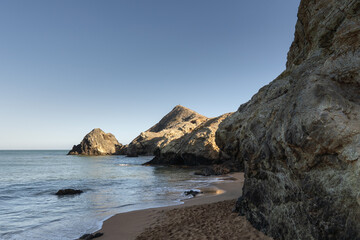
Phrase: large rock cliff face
x=96 y=143
x=197 y=147
x=174 y=125
x=299 y=136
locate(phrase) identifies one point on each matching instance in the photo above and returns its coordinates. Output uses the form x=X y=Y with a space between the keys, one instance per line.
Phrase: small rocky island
x=97 y=142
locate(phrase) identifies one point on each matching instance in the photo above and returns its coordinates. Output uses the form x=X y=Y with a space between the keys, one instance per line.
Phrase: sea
x=29 y=208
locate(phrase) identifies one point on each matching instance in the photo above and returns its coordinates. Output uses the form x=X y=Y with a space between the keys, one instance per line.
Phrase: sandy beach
x=207 y=216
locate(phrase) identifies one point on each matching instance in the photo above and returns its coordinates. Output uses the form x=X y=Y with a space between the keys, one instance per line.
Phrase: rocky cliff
x=197 y=147
x=96 y=143
x=174 y=125
x=299 y=137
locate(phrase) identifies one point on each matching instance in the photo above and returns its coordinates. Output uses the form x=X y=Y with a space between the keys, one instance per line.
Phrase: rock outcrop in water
x=197 y=147
x=174 y=125
x=299 y=136
x=97 y=142
x=69 y=191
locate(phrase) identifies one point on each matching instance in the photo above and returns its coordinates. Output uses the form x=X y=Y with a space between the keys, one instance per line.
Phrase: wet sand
x=207 y=216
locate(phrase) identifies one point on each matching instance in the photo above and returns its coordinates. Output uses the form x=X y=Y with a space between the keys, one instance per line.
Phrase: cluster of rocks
x=182 y=137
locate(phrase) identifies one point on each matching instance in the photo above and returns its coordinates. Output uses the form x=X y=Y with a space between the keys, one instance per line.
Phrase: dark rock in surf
x=91 y=236
x=64 y=192
x=192 y=192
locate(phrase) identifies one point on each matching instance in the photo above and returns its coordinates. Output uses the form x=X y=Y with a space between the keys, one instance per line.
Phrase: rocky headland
x=174 y=125
x=197 y=147
x=97 y=142
x=299 y=137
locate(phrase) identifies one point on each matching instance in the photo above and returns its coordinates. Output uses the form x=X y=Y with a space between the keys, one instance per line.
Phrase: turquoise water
x=112 y=184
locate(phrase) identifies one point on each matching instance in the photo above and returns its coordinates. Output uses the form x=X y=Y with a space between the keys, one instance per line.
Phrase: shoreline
x=130 y=225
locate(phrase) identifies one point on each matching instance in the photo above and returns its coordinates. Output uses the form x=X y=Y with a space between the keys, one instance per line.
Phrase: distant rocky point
x=97 y=142
x=174 y=125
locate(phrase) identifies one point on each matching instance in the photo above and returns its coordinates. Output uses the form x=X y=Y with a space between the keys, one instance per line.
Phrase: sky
x=67 y=66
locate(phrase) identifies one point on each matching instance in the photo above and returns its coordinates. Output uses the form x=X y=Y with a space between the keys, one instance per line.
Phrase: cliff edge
x=299 y=137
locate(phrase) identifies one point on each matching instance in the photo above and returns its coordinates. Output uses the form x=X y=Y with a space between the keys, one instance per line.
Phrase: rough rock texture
x=223 y=168
x=197 y=147
x=174 y=125
x=97 y=142
x=299 y=136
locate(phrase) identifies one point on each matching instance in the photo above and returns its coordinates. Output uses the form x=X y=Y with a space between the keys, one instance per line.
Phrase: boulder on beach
x=299 y=137
x=174 y=125
x=97 y=142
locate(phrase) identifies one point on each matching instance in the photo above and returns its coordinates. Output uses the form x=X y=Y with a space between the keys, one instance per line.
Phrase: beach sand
x=208 y=216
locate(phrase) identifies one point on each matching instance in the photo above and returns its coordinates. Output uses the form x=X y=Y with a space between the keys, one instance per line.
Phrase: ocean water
x=29 y=208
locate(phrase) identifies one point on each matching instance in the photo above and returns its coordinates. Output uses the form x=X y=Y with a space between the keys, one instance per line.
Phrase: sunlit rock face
x=174 y=125
x=299 y=137
x=197 y=147
x=96 y=143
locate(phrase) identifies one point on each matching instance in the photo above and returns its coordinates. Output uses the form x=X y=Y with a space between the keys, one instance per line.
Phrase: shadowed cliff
x=299 y=137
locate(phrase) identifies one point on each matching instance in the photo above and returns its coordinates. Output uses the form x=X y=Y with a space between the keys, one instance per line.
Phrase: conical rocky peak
x=173 y=125
x=197 y=147
x=97 y=142
x=178 y=115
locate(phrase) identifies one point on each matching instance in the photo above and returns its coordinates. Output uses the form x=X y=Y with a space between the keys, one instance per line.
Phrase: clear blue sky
x=67 y=66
